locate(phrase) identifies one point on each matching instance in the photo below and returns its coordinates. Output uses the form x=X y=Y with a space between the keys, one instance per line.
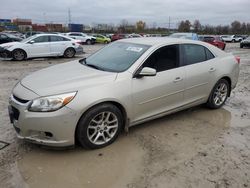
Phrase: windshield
x=27 y=39
x=116 y=57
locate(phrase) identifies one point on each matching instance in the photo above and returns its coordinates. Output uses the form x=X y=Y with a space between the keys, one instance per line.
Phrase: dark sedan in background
x=245 y=42
x=6 y=37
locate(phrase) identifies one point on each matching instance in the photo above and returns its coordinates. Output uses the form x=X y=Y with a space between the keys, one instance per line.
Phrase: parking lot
x=197 y=147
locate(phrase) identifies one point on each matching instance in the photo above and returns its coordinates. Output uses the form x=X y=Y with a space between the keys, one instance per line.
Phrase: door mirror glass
x=146 y=71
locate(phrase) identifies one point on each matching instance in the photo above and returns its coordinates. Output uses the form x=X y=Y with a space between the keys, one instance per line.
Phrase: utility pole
x=69 y=16
x=169 y=24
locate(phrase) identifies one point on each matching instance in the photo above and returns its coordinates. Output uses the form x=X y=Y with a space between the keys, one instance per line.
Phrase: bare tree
x=236 y=26
x=197 y=26
x=184 y=26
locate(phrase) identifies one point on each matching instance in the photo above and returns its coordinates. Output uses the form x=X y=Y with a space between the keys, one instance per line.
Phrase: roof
x=155 y=41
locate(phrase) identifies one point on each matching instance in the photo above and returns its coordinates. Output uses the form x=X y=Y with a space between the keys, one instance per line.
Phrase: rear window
x=193 y=53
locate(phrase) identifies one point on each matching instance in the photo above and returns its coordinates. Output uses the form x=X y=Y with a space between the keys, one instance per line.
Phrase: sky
x=153 y=12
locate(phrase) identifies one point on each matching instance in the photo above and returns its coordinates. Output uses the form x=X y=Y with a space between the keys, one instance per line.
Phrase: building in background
x=24 y=25
x=75 y=27
x=54 y=27
x=6 y=24
x=39 y=27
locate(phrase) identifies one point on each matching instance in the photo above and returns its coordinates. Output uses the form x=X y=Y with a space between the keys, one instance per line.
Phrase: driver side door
x=40 y=47
x=153 y=95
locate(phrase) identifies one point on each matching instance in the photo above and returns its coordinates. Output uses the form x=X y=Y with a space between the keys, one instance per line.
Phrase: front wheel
x=18 y=55
x=219 y=94
x=99 y=127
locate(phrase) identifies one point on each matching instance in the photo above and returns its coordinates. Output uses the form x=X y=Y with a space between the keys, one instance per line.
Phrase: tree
x=140 y=26
x=236 y=26
x=123 y=25
x=208 y=29
x=243 y=28
x=184 y=26
x=197 y=26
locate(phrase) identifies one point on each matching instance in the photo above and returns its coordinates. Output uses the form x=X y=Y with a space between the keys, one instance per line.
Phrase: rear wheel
x=88 y=42
x=69 y=53
x=219 y=94
x=19 y=55
x=99 y=127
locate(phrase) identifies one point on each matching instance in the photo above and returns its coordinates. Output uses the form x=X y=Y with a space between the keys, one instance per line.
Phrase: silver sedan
x=125 y=83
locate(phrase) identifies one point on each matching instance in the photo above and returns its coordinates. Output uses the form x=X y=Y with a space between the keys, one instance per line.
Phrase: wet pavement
x=197 y=147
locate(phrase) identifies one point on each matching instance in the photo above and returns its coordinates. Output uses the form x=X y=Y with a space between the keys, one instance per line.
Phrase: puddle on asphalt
x=106 y=167
x=123 y=161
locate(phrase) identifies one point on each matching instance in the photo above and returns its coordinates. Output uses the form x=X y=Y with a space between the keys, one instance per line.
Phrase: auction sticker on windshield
x=134 y=49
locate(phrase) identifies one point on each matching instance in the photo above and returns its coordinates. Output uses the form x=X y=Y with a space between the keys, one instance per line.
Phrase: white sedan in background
x=41 y=45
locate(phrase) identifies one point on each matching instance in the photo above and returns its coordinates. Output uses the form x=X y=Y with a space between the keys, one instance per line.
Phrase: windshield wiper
x=84 y=62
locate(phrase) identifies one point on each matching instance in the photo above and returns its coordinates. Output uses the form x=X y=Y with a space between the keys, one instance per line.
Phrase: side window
x=193 y=53
x=41 y=39
x=3 y=37
x=55 y=38
x=209 y=54
x=208 y=39
x=164 y=58
x=65 y=39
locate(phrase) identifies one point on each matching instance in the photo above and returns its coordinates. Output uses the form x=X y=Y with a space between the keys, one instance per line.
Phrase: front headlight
x=51 y=103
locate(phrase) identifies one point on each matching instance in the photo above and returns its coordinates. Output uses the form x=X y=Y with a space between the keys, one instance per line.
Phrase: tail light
x=237 y=59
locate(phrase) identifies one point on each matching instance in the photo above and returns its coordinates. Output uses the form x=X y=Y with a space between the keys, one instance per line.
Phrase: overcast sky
x=212 y=12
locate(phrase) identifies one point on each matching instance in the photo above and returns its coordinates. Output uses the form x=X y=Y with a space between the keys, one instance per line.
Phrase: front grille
x=20 y=100
x=16 y=113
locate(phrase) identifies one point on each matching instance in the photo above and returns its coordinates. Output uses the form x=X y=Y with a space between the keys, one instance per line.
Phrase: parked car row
x=6 y=37
x=41 y=45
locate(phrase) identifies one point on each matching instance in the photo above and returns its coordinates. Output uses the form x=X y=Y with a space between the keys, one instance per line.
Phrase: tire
x=19 y=55
x=69 y=53
x=99 y=126
x=88 y=42
x=241 y=46
x=219 y=94
x=233 y=41
x=224 y=47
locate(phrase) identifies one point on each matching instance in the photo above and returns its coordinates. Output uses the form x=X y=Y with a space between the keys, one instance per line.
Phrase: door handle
x=178 y=79
x=212 y=69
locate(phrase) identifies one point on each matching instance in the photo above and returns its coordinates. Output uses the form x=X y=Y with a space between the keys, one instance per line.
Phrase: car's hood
x=66 y=77
x=9 y=44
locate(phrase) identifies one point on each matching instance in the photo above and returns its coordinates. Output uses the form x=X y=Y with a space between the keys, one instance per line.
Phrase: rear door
x=40 y=47
x=153 y=95
x=58 y=45
x=200 y=68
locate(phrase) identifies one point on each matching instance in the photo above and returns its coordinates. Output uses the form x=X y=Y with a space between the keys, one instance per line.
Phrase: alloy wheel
x=102 y=128
x=220 y=94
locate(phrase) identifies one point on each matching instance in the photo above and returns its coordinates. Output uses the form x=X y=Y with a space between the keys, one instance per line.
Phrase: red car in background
x=214 y=40
x=117 y=37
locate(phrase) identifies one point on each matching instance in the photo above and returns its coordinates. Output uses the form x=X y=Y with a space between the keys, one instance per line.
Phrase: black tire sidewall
x=210 y=102
x=66 y=53
x=17 y=50
x=82 y=127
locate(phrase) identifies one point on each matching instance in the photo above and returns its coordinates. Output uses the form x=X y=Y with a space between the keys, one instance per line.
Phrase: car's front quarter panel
x=118 y=91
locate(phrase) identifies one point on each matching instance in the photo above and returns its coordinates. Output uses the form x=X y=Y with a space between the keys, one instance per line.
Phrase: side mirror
x=146 y=71
x=31 y=42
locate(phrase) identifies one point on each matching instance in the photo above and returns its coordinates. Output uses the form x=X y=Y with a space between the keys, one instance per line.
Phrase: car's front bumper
x=4 y=53
x=46 y=128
